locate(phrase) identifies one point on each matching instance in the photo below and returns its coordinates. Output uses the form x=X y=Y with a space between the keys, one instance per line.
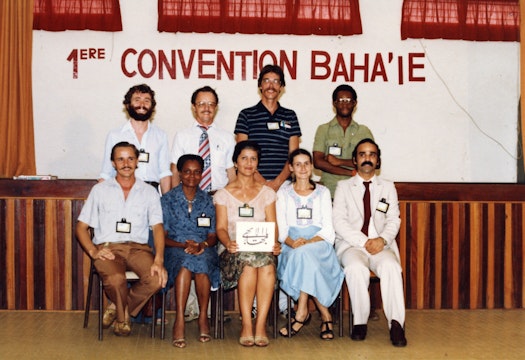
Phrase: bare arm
x=84 y=238
x=321 y=163
x=271 y=216
x=165 y=184
x=158 y=263
x=276 y=183
x=232 y=175
x=221 y=226
x=175 y=179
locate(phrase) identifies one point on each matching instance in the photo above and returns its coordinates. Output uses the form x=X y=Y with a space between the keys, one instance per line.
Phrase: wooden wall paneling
x=402 y=244
x=507 y=261
x=39 y=263
x=10 y=254
x=517 y=260
x=490 y=262
x=461 y=246
x=422 y=216
x=30 y=249
x=475 y=224
x=50 y=250
x=455 y=256
x=3 y=257
x=522 y=257
x=438 y=255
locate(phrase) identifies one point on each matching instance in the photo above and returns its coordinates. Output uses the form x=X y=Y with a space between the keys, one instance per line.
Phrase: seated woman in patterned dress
x=308 y=265
x=253 y=273
x=189 y=222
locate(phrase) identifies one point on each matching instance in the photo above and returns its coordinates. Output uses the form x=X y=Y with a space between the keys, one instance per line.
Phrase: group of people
x=182 y=230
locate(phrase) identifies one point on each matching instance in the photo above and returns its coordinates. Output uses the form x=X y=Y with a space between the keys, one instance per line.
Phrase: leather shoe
x=359 y=332
x=109 y=317
x=397 y=334
x=122 y=328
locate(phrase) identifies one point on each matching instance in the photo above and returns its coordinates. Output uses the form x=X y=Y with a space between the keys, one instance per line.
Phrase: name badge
x=246 y=211
x=383 y=205
x=273 y=125
x=123 y=226
x=335 y=150
x=304 y=213
x=203 y=221
x=286 y=125
x=143 y=156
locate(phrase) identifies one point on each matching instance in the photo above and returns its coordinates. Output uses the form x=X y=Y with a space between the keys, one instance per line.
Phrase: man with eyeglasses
x=335 y=140
x=275 y=128
x=204 y=102
x=215 y=145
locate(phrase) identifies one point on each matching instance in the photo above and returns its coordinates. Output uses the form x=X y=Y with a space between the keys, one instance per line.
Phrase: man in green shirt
x=335 y=140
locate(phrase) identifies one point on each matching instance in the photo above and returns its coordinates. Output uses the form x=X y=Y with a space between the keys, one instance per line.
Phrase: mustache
x=366 y=163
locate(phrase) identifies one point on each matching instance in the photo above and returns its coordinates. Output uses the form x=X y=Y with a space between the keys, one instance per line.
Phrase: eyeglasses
x=202 y=104
x=273 y=81
x=345 y=101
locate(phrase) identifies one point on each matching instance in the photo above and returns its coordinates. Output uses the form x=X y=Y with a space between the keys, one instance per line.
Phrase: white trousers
x=357 y=264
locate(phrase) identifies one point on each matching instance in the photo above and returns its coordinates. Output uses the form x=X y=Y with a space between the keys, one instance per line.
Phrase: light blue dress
x=312 y=268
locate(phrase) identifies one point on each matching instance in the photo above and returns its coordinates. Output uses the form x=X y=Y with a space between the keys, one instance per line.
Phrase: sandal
x=293 y=331
x=179 y=343
x=262 y=341
x=327 y=333
x=247 y=341
x=204 y=338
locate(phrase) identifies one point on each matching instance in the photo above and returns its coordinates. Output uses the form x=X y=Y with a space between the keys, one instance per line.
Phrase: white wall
x=459 y=124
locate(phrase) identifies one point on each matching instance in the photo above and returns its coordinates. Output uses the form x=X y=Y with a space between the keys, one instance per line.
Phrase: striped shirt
x=272 y=132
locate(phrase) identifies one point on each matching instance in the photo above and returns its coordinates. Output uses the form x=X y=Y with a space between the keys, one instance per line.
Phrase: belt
x=153 y=183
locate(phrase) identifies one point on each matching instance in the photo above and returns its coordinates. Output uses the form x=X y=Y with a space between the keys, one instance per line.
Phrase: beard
x=132 y=111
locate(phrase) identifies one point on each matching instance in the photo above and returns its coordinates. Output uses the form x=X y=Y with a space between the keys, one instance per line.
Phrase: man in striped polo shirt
x=275 y=128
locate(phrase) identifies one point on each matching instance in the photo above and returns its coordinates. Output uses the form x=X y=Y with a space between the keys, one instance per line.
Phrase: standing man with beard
x=152 y=142
x=335 y=140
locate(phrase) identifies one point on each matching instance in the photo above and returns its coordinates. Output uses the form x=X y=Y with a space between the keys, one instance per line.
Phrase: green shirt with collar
x=331 y=134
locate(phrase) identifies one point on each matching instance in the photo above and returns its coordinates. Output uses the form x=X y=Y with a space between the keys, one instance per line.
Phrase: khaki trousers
x=128 y=256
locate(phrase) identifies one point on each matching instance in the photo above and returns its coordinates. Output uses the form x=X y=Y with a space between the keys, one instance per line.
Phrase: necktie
x=366 y=203
x=204 y=153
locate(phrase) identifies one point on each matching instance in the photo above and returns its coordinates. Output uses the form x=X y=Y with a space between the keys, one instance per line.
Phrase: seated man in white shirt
x=120 y=211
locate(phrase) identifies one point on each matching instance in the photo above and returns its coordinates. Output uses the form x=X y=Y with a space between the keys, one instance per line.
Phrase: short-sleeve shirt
x=222 y=145
x=105 y=206
x=331 y=134
x=154 y=141
x=272 y=132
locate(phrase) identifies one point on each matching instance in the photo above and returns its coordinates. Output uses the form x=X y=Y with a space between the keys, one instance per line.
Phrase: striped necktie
x=204 y=153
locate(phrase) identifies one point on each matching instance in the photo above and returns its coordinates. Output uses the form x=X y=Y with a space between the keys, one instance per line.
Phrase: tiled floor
x=431 y=334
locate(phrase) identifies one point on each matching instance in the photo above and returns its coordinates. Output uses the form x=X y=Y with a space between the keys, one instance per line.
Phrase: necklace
x=190 y=206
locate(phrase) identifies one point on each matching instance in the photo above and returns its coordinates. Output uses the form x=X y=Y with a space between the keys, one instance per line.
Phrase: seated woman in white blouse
x=307 y=265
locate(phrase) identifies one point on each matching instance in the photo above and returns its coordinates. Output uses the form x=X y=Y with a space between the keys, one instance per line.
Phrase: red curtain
x=60 y=15
x=335 y=17
x=480 y=20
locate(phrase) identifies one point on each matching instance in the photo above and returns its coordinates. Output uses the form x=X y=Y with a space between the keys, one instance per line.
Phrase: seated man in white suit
x=366 y=221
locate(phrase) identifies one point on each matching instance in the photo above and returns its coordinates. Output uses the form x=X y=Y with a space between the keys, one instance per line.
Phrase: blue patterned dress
x=181 y=226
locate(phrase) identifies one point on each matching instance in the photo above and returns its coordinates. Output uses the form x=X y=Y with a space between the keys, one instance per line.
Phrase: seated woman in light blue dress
x=189 y=222
x=307 y=265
